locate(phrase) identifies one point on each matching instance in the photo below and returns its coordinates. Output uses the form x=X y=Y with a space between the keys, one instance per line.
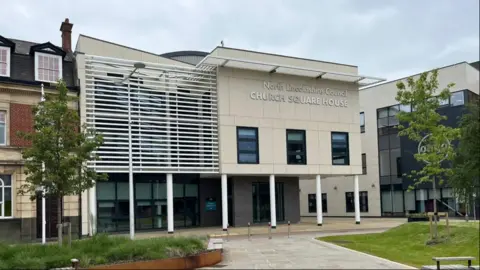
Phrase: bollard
x=289 y=229
x=249 y=239
x=269 y=230
x=75 y=263
x=228 y=233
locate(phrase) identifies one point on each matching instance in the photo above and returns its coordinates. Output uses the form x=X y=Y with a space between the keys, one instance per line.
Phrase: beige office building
x=213 y=139
x=386 y=156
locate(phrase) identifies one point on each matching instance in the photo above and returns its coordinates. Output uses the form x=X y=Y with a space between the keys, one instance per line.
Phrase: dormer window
x=48 y=67
x=5 y=61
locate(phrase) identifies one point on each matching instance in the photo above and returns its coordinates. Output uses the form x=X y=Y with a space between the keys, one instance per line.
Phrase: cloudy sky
x=385 y=38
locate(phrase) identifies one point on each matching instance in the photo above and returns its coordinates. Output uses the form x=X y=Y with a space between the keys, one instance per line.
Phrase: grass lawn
x=407 y=243
x=101 y=249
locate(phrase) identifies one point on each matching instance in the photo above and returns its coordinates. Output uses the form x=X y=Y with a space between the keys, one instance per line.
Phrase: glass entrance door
x=261 y=202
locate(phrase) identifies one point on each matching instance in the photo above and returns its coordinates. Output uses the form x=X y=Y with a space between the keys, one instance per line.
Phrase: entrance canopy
x=272 y=67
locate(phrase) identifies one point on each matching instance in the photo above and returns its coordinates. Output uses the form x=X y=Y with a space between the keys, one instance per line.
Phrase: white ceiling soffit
x=221 y=61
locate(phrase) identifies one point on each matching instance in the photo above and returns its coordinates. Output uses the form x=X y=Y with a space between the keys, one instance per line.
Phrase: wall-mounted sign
x=424 y=148
x=210 y=204
x=276 y=92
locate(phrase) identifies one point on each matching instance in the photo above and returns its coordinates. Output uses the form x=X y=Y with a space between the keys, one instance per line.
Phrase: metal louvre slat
x=173 y=116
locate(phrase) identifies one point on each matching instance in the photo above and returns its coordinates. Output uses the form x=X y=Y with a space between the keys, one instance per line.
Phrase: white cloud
x=384 y=38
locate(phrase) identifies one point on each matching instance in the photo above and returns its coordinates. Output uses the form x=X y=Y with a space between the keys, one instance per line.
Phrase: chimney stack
x=66 y=29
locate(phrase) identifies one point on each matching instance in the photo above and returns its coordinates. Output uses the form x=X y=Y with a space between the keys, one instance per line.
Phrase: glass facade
x=150 y=202
x=296 y=147
x=261 y=202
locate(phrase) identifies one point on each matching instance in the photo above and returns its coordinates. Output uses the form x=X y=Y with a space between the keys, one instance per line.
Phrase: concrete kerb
x=402 y=266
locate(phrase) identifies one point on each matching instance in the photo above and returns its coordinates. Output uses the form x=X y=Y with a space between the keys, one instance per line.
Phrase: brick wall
x=21 y=119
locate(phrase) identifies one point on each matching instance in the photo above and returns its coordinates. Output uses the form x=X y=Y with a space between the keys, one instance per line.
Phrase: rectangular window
x=457 y=99
x=3 y=129
x=247 y=145
x=363 y=201
x=350 y=201
x=48 y=67
x=362 y=122
x=364 y=163
x=340 y=149
x=4 y=61
x=296 y=147
x=312 y=203
x=5 y=196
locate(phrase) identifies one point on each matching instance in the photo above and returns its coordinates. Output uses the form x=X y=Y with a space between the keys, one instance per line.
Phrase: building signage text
x=330 y=97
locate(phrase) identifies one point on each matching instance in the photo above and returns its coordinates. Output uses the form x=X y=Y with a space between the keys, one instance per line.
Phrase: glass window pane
x=443 y=102
x=295 y=147
x=247 y=158
x=393 y=110
x=7 y=179
x=383 y=142
x=295 y=136
x=122 y=191
x=398 y=201
x=8 y=202
x=106 y=209
x=447 y=193
x=178 y=191
x=387 y=201
x=105 y=191
x=394 y=155
x=191 y=190
x=142 y=191
x=457 y=99
x=405 y=108
x=384 y=163
x=296 y=159
x=409 y=200
x=421 y=194
x=394 y=141
x=159 y=191
x=382 y=113
x=393 y=121
x=339 y=137
x=362 y=119
x=382 y=122
x=247 y=145
x=247 y=133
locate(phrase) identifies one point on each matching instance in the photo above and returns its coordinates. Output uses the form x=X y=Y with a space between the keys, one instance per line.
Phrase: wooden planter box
x=204 y=259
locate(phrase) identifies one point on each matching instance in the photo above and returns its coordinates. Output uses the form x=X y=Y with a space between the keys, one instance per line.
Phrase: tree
x=465 y=180
x=62 y=146
x=423 y=124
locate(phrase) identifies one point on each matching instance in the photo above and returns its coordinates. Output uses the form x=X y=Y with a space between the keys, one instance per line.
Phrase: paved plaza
x=300 y=251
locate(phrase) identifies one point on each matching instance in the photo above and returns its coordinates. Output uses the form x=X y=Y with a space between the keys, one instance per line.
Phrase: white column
x=224 y=202
x=170 y=202
x=93 y=210
x=130 y=170
x=356 y=194
x=319 y=202
x=273 y=207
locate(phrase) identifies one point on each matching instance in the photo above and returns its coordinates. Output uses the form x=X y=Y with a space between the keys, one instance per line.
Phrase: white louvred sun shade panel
x=243 y=65
x=298 y=72
x=173 y=114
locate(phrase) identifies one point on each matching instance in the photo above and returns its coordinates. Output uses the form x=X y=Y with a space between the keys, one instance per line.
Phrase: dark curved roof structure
x=189 y=57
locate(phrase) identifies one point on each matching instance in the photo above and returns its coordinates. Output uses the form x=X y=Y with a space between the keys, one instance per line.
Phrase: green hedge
x=100 y=249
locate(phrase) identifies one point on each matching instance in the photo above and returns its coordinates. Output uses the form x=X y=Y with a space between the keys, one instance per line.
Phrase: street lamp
x=136 y=66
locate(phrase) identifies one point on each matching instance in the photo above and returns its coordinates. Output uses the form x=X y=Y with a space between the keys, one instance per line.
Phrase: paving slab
x=300 y=251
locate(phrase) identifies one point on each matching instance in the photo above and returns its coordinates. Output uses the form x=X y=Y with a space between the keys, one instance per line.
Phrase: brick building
x=24 y=67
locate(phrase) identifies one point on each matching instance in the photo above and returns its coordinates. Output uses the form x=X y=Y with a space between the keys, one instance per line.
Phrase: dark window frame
x=350 y=202
x=304 y=143
x=256 y=152
x=362 y=125
x=313 y=209
x=364 y=163
x=347 y=156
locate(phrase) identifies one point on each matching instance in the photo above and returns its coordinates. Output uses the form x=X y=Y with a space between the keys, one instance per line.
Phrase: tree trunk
x=59 y=220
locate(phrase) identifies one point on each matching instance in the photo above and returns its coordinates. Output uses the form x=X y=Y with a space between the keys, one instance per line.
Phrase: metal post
x=289 y=229
x=44 y=218
x=130 y=168
x=75 y=263
x=269 y=230
x=70 y=234
x=435 y=213
x=249 y=231
x=228 y=233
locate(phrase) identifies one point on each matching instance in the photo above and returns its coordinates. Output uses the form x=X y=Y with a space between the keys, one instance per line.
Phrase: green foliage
x=406 y=243
x=424 y=120
x=58 y=143
x=466 y=166
x=100 y=249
